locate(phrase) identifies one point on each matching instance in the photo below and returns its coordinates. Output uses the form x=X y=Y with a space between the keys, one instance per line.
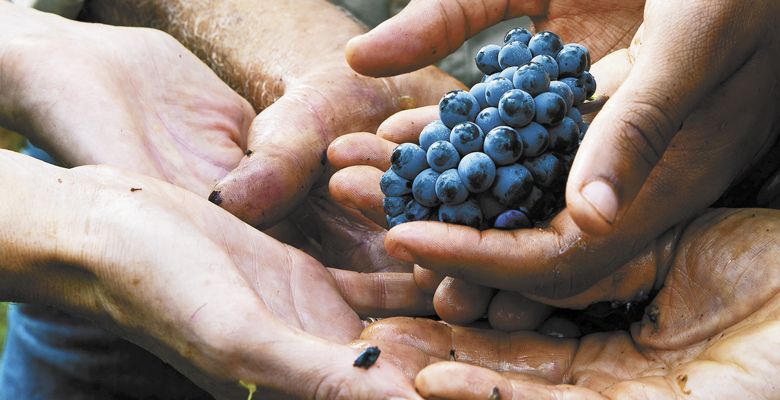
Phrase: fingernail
x=601 y=196
x=216 y=197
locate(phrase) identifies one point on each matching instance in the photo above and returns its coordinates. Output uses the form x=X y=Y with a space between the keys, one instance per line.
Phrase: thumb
x=427 y=31
x=668 y=79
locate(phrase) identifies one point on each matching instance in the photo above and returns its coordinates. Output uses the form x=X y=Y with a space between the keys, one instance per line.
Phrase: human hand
x=293 y=70
x=132 y=98
x=701 y=337
x=562 y=260
x=431 y=30
x=110 y=245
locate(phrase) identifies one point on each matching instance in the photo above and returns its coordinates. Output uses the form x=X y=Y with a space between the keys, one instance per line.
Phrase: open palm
x=708 y=334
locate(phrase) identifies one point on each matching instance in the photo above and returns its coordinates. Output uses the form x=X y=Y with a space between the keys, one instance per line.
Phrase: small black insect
x=367 y=358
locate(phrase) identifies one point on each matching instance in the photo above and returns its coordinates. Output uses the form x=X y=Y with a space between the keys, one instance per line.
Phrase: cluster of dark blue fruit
x=499 y=155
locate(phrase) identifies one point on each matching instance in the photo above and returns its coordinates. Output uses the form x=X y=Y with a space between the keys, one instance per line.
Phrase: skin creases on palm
x=602 y=26
x=709 y=333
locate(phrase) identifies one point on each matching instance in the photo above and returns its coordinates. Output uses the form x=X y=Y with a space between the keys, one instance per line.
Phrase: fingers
x=451 y=380
x=526 y=260
x=358 y=187
x=360 y=149
x=511 y=311
x=427 y=31
x=667 y=81
x=520 y=352
x=405 y=126
x=428 y=281
x=459 y=302
x=382 y=294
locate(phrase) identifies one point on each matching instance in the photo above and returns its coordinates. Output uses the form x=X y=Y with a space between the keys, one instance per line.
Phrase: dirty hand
x=709 y=333
x=173 y=273
x=729 y=129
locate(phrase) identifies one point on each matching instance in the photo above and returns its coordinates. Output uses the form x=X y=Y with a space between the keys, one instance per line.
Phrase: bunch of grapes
x=499 y=155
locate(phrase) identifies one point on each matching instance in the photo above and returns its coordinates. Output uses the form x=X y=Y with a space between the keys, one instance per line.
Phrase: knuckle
x=644 y=132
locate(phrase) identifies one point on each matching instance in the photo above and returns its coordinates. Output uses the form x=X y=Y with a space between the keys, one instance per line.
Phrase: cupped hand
x=561 y=260
x=219 y=300
x=708 y=334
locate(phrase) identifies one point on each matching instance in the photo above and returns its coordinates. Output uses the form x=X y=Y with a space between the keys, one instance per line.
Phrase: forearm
x=233 y=36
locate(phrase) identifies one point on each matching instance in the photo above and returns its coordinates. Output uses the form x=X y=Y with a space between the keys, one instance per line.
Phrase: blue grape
x=489 y=205
x=495 y=89
x=457 y=106
x=488 y=78
x=577 y=89
x=395 y=205
x=564 y=136
x=533 y=205
x=513 y=184
x=487 y=59
x=508 y=73
x=512 y=219
x=516 y=108
x=549 y=64
x=589 y=83
x=546 y=169
x=416 y=212
x=478 y=91
x=467 y=138
x=407 y=160
x=433 y=132
x=450 y=189
x=466 y=213
x=573 y=60
x=424 y=188
x=521 y=35
x=550 y=108
x=535 y=139
x=545 y=43
x=393 y=185
x=396 y=220
x=477 y=171
x=488 y=119
x=563 y=90
x=531 y=78
x=514 y=54
x=442 y=156
x=503 y=145
x=574 y=114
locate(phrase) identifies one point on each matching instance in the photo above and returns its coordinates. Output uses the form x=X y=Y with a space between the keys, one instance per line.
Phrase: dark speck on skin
x=367 y=358
x=453 y=357
x=132 y=189
x=215 y=197
x=653 y=313
x=495 y=394
x=249 y=152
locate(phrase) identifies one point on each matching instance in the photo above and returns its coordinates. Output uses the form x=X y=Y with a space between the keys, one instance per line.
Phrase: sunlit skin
x=709 y=333
x=177 y=275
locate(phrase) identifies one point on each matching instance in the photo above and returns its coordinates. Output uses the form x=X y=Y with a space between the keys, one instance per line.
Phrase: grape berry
x=499 y=155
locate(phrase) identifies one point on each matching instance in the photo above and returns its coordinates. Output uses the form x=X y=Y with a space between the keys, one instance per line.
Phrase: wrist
x=41 y=211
